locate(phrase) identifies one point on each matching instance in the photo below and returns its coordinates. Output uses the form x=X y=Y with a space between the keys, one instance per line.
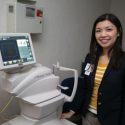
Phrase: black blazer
x=111 y=94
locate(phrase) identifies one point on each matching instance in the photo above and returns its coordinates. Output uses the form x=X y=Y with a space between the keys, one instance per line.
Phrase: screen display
x=15 y=50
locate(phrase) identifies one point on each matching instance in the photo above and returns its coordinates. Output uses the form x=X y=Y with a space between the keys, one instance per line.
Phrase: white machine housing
x=36 y=87
x=39 y=95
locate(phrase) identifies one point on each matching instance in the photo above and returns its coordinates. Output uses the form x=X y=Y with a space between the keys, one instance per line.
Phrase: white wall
x=2 y=16
x=118 y=8
x=66 y=33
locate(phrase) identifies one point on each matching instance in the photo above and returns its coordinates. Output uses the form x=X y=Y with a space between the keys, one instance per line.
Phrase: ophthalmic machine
x=35 y=86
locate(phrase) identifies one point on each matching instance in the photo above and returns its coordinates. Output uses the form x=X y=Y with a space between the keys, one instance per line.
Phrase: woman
x=104 y=74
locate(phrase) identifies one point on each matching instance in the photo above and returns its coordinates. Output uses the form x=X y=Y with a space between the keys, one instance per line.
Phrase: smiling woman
x=103 y=76
x=104 y=102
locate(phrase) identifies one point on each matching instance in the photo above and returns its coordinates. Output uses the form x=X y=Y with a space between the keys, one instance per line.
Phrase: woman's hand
x=67 y=115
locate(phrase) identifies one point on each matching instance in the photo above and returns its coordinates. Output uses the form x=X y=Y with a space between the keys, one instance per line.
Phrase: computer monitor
x=16 y=50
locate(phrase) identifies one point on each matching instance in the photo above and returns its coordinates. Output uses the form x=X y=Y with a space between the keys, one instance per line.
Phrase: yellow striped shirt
x=98 y=78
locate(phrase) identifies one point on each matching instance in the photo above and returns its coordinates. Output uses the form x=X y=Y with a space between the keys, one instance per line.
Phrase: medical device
x=16 y=51
x=35 y=86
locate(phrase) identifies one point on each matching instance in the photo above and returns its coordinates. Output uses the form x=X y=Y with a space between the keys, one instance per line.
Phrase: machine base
x=58 y=122
x=20 y=120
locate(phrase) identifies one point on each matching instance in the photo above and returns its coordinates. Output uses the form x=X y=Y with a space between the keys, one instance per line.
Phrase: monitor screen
x=16 y=50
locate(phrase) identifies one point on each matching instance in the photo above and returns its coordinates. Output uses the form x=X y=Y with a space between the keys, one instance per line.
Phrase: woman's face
x=106 y=34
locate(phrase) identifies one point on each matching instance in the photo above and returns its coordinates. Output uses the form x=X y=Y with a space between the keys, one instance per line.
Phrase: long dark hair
x=116 y=51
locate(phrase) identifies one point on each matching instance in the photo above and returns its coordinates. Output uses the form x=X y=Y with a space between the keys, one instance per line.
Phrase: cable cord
x=5 y=107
